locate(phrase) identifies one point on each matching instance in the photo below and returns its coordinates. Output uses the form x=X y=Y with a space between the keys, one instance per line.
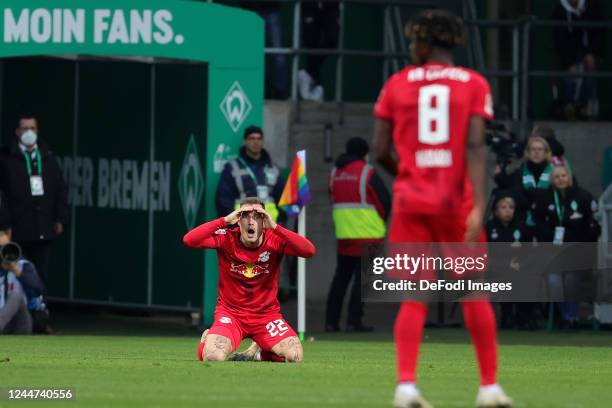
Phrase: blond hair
x=562 y=167
x=533 y=139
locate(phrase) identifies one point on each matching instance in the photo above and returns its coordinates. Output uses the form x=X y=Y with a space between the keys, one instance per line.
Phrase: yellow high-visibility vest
x=357 y=220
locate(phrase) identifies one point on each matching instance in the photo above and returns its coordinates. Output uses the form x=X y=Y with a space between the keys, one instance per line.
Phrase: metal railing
x=394 y=50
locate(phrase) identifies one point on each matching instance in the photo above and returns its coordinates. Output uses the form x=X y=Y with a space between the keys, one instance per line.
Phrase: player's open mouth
x=251 y=231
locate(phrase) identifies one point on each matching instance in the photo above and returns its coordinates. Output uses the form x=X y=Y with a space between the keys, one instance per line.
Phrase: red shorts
x=444 y=231
x=429 y=228
x=266 y=330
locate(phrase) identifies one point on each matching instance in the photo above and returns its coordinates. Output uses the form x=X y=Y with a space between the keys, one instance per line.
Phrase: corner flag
x=296 y=193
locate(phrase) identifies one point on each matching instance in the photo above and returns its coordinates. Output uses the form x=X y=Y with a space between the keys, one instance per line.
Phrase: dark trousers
x=347 y=268
x=38 y=253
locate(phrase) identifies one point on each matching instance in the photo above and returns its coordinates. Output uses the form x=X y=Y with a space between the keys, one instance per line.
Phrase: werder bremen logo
x=235 y=106
x=191 y=183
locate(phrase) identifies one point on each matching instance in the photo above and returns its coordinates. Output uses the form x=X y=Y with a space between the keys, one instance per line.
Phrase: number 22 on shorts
x=277 y=327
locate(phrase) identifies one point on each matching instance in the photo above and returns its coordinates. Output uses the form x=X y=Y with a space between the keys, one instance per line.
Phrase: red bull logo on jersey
x=249 y=270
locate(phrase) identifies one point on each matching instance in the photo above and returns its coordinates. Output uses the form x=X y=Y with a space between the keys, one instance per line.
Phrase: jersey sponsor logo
x=249 y=270
x=343 y=176
x=220 y=231
x=264 y=256
x=434 y=158
x=225 y=320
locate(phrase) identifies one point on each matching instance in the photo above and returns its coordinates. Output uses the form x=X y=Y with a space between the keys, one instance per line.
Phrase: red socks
x=270 y=356
x=480 y=322
x=408 y=332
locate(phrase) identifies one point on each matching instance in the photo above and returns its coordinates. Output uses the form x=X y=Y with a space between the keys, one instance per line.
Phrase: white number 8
x=433 y=121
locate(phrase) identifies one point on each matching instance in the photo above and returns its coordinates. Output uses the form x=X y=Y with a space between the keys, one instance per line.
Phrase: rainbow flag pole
x=296 y=195
x=302 y=280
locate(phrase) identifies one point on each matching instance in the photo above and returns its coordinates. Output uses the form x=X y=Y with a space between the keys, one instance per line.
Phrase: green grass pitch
x=537 y=369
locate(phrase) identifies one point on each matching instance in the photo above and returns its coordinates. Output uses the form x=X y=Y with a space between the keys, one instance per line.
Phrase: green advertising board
x=142 y=102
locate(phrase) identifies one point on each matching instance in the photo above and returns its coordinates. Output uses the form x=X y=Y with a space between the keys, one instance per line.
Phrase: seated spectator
x=505 y=227
x=530 y=179
x=578 y=50
x=565 y=214
x=32 y=286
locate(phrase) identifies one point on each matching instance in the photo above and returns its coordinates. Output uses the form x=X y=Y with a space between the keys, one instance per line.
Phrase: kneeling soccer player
x=249 y=264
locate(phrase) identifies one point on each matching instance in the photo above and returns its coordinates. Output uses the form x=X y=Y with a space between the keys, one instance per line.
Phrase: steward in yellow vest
x=360 y=203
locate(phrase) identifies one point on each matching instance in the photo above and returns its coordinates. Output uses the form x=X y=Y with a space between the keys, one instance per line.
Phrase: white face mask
x=28 y=138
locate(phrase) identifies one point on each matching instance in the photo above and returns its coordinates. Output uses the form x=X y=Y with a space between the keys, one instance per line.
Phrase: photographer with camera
x=28 y=283
x=14 y=315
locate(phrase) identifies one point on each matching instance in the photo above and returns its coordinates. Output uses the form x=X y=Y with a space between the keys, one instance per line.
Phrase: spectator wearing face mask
x=35 y=191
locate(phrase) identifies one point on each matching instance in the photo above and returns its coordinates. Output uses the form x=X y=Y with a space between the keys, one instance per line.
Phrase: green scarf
x=529 y=179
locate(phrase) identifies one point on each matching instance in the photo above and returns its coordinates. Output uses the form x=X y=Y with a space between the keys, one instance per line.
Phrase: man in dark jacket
x=32 y=180
x=251 y=174
x=361 y=203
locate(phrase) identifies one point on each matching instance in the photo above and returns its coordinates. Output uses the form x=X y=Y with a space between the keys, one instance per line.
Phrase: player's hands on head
x=268 y=221
x=473 y=225
x=234 y=216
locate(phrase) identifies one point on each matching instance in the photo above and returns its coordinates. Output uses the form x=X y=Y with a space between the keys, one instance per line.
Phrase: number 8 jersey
x=429 y=107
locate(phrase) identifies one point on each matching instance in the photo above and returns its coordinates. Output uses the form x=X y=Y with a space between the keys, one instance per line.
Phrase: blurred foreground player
x=249 y=260
x=434 y=114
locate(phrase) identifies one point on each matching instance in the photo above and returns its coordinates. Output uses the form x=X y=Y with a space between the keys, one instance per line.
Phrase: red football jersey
x=248 y=277
x=430 y=107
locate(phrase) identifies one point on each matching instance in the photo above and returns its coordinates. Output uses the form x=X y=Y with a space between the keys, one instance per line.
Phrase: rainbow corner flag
x=296 y=193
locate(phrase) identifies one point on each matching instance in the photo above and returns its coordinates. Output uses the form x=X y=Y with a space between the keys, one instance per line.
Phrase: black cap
x=252 y=129
x=501 y=194
x=357 y=146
